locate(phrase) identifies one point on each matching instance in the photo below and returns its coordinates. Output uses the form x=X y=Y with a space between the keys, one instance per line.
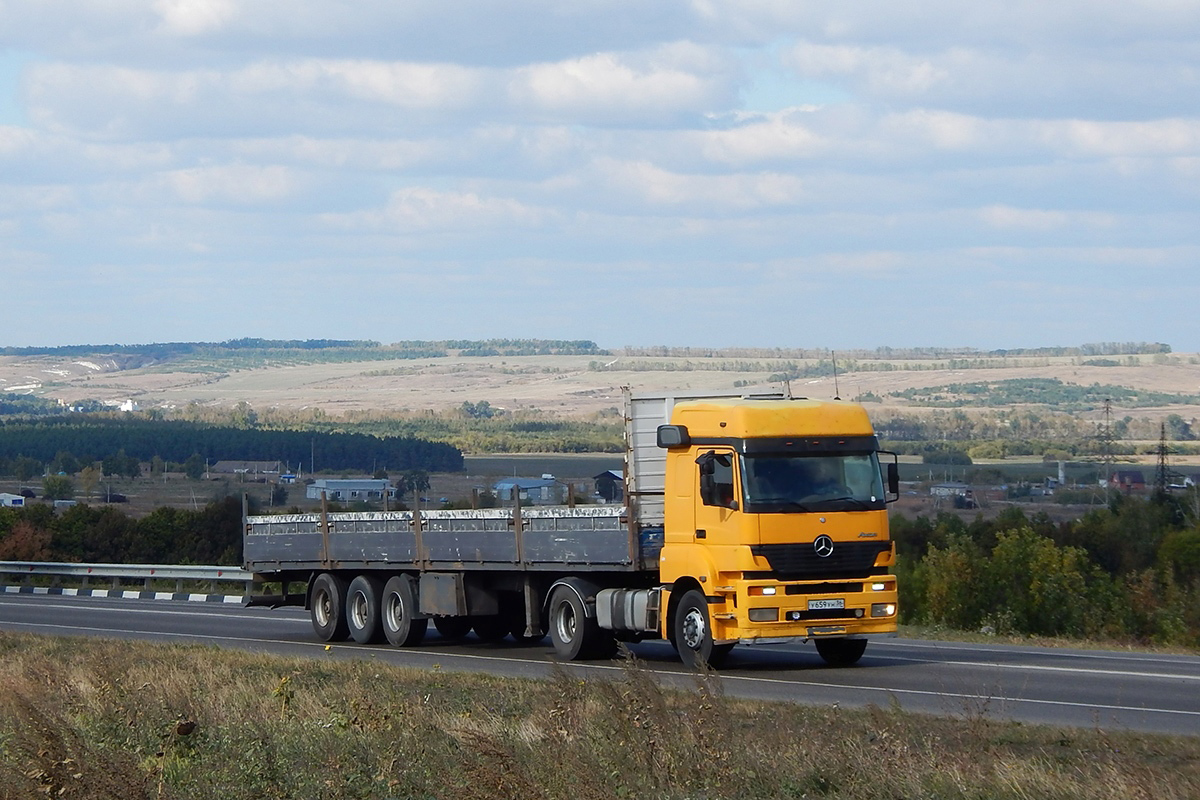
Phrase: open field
x=99 y=719
x=571 y=385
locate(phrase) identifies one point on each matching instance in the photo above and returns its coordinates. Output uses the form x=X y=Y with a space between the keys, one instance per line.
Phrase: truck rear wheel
x=841 y=652
x=512 y=608
x=692 y=632
x=364 y=601
x=326 y=603
x=452 y=628
x=491 y=628
x=575 y=636
x=400 y=625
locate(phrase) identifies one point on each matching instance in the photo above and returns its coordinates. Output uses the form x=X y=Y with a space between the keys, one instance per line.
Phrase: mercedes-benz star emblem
x=823 y=545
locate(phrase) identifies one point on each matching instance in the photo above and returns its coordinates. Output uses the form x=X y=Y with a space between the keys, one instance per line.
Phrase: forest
x=93 y=438
x=1128 y=571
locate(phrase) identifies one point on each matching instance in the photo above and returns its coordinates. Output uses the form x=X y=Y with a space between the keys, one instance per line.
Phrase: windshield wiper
x=791 y=504
x=861 y=503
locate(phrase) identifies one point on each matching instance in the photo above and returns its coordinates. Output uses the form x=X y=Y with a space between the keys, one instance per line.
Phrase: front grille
x=791 y=562
x=826 y=588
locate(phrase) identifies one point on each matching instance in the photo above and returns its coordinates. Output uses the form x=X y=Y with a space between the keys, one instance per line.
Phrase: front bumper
x=765 y=611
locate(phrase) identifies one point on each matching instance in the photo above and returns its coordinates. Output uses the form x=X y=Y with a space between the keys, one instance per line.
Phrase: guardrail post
x=178 y=585
x=116 y=584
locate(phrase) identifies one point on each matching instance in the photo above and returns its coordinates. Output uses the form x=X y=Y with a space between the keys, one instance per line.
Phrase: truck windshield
x=826 y=482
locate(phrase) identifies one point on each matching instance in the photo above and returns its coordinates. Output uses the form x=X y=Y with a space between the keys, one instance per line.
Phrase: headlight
x=764 y=615
x=883 y=609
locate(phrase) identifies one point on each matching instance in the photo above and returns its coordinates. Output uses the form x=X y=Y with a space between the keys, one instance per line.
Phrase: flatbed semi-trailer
x=751 y=520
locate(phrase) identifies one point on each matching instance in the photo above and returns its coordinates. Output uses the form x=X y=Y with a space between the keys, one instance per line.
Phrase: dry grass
x=561 y=384
x=98 y=719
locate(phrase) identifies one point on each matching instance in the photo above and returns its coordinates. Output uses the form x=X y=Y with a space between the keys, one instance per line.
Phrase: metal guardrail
x=114 y=574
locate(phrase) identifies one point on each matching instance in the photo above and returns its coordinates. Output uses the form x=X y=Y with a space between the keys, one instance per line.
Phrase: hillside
x=342 y=381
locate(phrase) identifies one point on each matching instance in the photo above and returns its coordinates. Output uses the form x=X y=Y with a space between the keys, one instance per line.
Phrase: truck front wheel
x=400 y=625
x=692 y=632
x=326 y=603
x=841 y=652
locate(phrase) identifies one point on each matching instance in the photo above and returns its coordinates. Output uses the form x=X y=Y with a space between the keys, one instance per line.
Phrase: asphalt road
x=1073 y=688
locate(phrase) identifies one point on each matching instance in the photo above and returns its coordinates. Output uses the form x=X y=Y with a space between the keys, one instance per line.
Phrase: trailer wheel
x=490 y=628
x=512 y=608
x=364 y=601
x=517 y=631
x=326 y=603
x=452 y=628
x=400 y=624
x=693 y=632
x=574 y=635
x=841 y=652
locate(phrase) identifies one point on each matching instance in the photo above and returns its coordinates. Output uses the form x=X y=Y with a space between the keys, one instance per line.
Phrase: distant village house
x=543 y=491
x=610 y=486
x=350 y=491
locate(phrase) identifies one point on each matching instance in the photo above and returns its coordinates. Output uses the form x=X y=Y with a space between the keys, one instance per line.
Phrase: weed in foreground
x=95 y=719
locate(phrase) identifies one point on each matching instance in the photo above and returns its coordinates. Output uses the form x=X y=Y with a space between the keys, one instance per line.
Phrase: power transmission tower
x=1105 y=441
x=1163 y=473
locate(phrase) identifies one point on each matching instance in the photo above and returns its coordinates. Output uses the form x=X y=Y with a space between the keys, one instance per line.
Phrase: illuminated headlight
x=883 y=609
x=762 y=591
x=764 y=615
x=878 y=587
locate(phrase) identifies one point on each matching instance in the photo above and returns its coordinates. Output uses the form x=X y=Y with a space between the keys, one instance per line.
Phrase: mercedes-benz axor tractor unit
x=745 y=520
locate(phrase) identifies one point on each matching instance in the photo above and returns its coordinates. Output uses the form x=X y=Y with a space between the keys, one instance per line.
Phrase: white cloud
x=193 y=17
x=420 y=209
x=238 y=184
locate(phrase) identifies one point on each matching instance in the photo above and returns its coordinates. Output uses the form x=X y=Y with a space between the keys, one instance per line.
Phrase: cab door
x=718 y=498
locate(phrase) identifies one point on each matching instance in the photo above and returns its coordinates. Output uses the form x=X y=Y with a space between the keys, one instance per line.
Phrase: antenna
x=836 y=393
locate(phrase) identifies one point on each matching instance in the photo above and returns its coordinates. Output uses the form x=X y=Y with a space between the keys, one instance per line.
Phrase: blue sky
x=753 y=173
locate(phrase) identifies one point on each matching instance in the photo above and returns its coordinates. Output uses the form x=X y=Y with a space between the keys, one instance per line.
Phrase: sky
x=758 y=173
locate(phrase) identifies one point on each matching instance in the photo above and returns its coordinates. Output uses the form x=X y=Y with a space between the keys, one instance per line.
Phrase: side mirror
x=673 y=436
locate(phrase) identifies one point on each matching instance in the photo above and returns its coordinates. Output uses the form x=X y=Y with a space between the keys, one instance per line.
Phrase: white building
x=11 y=500
x=349 y=491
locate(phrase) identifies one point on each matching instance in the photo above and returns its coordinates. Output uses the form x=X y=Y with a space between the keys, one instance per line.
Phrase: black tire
x=841 y=652
x=512 y=608
x=491 y=628
x=364 y=604
x=327 y=603
x=574 y=635
x=398 y=612
x=452 y=628
x=693 y=632
x=517 y=631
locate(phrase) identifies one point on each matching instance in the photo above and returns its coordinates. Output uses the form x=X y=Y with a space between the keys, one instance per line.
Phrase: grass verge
x=109 y=719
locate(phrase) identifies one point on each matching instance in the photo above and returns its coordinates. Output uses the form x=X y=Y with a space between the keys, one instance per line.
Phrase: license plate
x=825 y=605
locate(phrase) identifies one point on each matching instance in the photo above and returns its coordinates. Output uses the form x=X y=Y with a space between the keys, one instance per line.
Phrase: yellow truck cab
x=776 y=527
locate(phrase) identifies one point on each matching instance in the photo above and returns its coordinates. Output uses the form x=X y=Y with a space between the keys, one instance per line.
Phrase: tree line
x=89 y=439
x=1127 y=571
x=104 y=534
x=348 y=348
